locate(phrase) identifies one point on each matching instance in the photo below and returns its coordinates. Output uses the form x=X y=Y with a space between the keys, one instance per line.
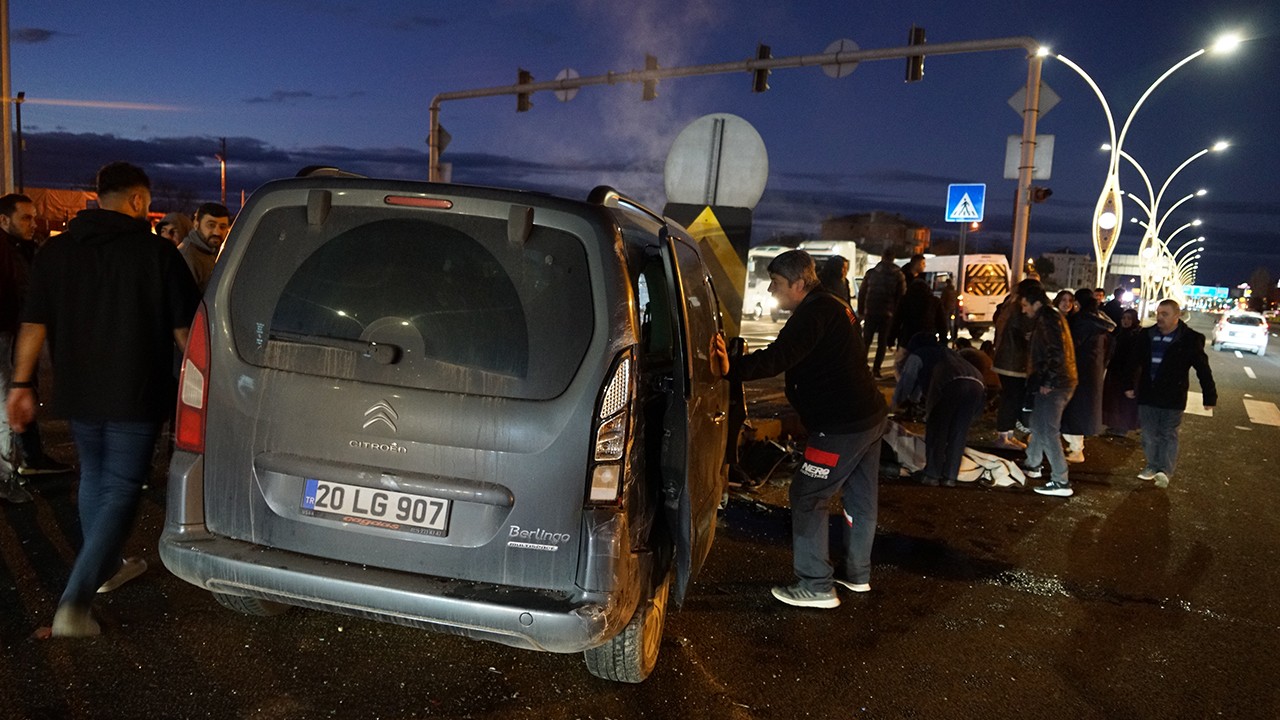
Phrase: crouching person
x=955 y=395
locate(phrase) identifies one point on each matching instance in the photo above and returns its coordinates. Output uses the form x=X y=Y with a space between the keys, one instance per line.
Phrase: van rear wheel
x=632 y=654
x=250 y=606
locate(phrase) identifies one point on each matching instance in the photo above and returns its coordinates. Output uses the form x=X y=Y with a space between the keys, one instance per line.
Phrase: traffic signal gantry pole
x=760 y=67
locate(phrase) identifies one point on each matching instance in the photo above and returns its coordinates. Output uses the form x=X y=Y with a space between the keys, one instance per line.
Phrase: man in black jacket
x=881 y=290
x=1052 y=380
x=1167 y=351
x=830 y=386
x=17 y=231
x=112 y=299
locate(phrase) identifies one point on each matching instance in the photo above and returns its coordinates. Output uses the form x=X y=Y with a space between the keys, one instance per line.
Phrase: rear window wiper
x=381 y=353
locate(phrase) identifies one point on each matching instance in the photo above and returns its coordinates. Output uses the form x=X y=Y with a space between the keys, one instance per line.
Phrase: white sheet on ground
x=974 y=466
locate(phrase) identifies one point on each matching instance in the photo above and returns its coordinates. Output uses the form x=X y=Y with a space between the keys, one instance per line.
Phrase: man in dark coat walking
x=878 y=296
x=112 y=299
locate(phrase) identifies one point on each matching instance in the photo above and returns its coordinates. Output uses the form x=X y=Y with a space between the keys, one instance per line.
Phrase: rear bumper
x=531 y=619
x=1241 y=343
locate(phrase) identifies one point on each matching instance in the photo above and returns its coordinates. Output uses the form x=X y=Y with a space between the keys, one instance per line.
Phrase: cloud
x=418 y=22
x=282 y=96
x=186 y=165
x=32 y=36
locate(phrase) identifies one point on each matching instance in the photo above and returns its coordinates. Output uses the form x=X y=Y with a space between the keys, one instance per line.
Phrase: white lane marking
x=1242 y=427
x=1239 y=354
x=1249 y=371
x=1195 y=404
x=1262 y=413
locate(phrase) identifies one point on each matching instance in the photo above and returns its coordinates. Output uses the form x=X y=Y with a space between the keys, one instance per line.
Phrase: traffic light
x=1040 y=194
x=650 y=87
x=524 y=77
x=915 y=63
x=760 y=76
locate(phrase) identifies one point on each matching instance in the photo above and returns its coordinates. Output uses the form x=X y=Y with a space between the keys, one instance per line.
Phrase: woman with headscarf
x=1119 y=411
x=1091 y=334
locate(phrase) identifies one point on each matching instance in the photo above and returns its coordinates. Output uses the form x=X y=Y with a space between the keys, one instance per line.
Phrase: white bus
x=983 y=287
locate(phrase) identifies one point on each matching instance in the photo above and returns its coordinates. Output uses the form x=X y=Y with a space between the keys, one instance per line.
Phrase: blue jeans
x=115 y=459
x=833 y=463
x=1046 y=429
x=1160 y=437
x=8 y=461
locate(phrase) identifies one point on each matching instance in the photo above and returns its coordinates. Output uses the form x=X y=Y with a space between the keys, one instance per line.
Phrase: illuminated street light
x=1151 y=287
x=1184 y=245
x=1106 y=229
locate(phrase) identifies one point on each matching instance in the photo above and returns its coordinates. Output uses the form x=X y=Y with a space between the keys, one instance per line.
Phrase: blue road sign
x=966 y=202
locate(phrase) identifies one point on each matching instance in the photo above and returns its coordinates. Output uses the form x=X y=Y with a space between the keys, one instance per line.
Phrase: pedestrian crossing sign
x=965 y=202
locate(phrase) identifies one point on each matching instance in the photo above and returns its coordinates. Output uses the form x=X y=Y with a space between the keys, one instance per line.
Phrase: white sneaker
x=130 y=568
x=856 y=587
x=1162 y=480
x=74 y=622
x=1147 y=473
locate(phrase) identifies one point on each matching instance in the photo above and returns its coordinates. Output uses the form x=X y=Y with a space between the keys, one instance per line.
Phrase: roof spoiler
x=326 y=171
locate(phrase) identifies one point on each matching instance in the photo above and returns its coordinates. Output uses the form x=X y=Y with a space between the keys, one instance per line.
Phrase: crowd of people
x=1058 y=371
x=112 y=298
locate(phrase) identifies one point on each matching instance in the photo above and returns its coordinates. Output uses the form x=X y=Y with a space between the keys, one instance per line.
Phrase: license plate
x=376 y=508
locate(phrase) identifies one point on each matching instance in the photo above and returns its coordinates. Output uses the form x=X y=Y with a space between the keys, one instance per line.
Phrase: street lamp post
x=1109 y=209
x=1151 y=290
x=222 y=170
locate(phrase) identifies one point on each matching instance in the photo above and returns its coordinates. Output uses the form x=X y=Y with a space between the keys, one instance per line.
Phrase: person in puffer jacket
x=1051 y=378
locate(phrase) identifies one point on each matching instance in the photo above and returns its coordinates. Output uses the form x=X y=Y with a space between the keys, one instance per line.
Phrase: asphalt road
x=1121 y=602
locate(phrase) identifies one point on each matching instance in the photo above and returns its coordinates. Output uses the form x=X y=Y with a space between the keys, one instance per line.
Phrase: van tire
x=632 y=654
x=250 y=606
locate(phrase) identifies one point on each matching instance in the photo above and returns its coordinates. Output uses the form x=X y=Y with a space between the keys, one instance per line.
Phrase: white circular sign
x=840 y=69
x=718 y=159
x=568 y=93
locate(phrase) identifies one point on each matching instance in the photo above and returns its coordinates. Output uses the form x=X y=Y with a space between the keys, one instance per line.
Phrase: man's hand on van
x=719 y=356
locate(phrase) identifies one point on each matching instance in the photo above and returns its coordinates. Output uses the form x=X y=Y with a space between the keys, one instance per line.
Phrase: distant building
x=1072 y=270
x=876 y=230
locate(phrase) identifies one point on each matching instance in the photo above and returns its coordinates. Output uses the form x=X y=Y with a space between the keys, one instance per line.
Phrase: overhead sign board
x=966 y=202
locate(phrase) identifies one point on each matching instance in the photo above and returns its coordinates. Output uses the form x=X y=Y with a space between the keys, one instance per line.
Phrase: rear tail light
x=612 y=427
x=193 y=387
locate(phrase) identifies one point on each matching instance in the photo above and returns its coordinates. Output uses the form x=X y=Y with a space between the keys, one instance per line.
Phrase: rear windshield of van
x=433 y=301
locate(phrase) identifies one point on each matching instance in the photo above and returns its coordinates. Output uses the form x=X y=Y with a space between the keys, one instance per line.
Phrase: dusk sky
x=290 y=83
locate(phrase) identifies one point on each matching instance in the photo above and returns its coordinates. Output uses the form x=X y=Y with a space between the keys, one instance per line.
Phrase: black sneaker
x=12 y=491
x=1055 y=489
x=43 y=466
